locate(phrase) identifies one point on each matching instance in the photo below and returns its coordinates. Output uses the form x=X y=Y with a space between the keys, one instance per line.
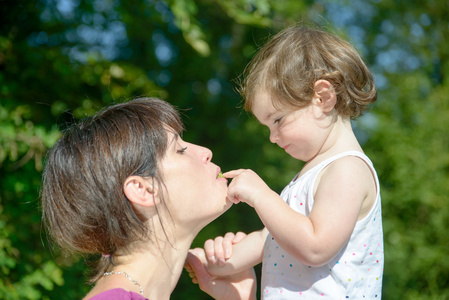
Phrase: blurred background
x=62 y=60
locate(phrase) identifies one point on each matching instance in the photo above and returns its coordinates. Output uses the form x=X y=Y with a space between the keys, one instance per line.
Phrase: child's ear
x=141 y=191
x=325 y=95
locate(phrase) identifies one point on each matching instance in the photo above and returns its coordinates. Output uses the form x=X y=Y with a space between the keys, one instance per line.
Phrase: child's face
x=301 y=132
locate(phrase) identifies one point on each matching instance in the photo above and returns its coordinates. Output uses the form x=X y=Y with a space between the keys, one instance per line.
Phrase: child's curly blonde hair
x=288 y=66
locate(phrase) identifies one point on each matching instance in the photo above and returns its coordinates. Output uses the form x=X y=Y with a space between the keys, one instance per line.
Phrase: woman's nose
x=206 y=154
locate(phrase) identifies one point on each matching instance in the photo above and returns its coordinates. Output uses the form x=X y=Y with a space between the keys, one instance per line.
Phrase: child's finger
x=188 y=267
x=233 y=173
x=191 y=272
x=234 y=200
x=196 y=260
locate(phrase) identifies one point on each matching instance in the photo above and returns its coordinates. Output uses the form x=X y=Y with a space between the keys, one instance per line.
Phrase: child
x=323 y=235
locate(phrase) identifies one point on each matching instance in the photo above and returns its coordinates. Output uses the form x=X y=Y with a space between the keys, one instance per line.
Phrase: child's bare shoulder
x=348 y=170
x=349 y=161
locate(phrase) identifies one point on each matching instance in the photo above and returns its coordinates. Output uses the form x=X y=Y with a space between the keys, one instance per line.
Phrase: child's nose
x=273 y=137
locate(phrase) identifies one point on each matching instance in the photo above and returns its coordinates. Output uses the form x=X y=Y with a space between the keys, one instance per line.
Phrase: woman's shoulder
x=118 y=294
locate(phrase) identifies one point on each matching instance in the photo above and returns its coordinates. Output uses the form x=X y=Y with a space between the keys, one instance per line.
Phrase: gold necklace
x=127 y=276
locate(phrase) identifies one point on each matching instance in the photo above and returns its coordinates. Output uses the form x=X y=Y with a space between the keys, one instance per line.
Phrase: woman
x=124 y=185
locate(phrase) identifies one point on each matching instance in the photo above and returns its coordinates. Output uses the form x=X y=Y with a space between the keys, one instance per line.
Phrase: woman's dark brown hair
x=84 y=206
x=288 y=66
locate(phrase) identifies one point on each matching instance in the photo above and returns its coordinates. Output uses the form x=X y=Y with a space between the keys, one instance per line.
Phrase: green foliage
x=184 y=11
x=61 y=63
x=24 y=274
x=415 y=186
x=250 y=12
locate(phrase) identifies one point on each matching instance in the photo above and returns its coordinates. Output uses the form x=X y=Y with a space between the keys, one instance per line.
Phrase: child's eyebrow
x=269 y=116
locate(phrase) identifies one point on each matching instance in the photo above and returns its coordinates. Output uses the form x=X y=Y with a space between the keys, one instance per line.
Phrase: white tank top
x=354 y=273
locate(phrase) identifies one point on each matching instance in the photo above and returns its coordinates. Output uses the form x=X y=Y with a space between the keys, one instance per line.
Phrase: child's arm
x=225 y=257
x=240 y=286
x=344 y=193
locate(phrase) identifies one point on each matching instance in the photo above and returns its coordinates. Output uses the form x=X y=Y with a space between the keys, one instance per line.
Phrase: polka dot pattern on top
x=355 y=272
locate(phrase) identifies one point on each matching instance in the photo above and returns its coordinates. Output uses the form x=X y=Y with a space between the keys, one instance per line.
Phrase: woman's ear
x=141 y=191
x=325 y=95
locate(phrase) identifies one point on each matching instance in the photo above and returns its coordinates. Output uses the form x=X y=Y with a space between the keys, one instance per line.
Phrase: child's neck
x=341 y=139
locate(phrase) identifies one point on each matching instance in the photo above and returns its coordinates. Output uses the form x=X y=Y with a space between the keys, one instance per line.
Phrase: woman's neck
x=156 y=270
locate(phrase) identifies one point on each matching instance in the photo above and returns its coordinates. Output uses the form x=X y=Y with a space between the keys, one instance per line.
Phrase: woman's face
x=195 y=195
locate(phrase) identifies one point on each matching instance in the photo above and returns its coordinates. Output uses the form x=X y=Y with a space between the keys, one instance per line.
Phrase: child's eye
x=182 y=150
x=277 y=121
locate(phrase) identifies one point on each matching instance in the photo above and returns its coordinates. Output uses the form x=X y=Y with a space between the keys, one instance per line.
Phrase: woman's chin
x=226 y=205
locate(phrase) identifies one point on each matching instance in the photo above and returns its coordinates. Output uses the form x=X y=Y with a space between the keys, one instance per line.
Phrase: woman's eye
x=182 y=150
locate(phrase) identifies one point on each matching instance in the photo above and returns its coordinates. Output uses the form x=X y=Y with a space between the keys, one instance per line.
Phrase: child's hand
x=237 y=286
x=246 y=186
x=220 y=249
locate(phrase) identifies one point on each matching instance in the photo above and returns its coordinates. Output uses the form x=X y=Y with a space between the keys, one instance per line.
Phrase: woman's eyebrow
x=174 y=139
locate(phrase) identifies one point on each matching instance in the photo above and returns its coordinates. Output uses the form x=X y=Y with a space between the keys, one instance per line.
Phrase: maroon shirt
x=118 y=294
